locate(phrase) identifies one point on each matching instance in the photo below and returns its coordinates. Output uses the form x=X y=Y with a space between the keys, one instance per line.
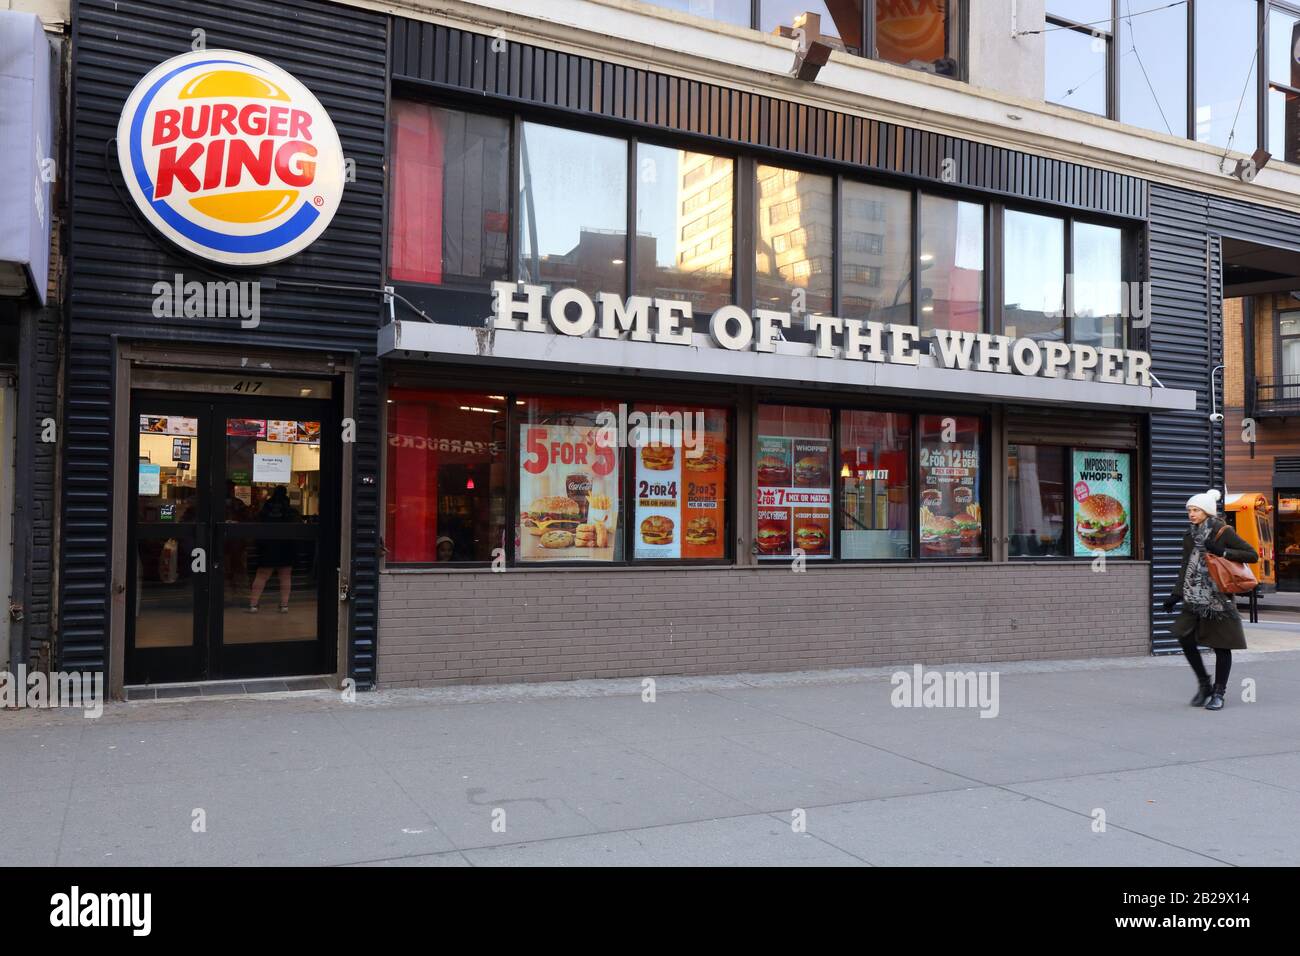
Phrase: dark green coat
x=1225 y=633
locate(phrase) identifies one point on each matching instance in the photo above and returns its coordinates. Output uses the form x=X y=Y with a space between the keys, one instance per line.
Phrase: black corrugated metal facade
x=340 y=53
x=1186 y=342
x=455 y=60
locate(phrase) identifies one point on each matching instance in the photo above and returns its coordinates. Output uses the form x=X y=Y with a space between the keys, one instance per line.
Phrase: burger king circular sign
x=230 y=157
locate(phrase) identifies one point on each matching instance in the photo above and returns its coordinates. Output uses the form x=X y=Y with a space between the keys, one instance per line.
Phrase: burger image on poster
x=230 y=158
x=1101 y=523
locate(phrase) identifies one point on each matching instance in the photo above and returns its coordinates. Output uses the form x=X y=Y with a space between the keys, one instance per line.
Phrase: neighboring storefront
x=1262 y=402
x=673 y=378
x=30 y=71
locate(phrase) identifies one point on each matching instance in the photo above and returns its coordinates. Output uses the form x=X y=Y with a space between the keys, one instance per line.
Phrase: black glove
x=1168 y=604
x=1214 y=547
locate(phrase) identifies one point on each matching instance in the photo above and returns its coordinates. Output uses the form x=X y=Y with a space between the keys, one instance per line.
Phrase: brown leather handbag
x=1230 y=577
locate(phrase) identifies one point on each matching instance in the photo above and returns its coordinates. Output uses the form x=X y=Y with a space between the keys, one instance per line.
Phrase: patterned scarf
x=1200 y=595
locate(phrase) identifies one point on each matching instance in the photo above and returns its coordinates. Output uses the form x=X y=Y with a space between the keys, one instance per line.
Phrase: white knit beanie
x=1207 y=501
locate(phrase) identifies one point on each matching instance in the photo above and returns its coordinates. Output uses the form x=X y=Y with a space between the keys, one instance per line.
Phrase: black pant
x=1222 y=663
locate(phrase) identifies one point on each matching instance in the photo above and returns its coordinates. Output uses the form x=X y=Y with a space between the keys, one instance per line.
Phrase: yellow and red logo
x=230 y=157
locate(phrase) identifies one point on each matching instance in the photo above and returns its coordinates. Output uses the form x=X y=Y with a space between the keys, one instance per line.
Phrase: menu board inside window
x=951 y=514
x=680 y=481
x=793 y=482
x=568 y=482
x=1102 y=498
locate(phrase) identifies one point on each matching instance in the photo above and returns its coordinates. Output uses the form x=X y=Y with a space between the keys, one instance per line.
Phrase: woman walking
x=1209 y=616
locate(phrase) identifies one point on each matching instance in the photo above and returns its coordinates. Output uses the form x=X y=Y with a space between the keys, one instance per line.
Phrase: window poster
x=246 y=427
x=168 y=425
x=300 y=433
x=793 y=496
x=150 y=479
x=281 y=430
x=181 y=449
x=1101 y=481
x=952 y=520
x=272 y=469
x=568 y=495
x=680 y=485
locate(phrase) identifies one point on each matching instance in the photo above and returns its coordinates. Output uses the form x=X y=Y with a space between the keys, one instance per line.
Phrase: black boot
x=1203 y=693
x=1216 y=700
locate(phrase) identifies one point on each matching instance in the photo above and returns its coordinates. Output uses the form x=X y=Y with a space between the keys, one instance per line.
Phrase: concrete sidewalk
x=710 y=773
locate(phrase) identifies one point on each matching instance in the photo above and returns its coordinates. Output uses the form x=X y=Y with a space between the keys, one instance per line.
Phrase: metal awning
x=792 y=364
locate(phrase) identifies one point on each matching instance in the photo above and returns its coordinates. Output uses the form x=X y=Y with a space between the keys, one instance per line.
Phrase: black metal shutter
x=1045 y=426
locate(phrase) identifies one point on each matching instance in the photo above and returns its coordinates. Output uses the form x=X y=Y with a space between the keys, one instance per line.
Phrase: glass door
x=166 y=626
x=234 y=539
x=275 y=541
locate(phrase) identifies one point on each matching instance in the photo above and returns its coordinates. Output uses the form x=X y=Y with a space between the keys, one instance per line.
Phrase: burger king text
x=610 y=316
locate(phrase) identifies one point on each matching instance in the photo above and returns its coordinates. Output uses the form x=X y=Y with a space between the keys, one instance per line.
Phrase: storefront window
x=572 y=228
x=1097 y=286
x=1037 y=511
x=874 y=476
x=793 y=480
x=446 y=476
x=876 y=253
x=1033 y=276
x=570 y=505
x=450 y=195
x=795 y=243
x=680 y=482
x=951 y=518
x=951 y=257
x=684 y=226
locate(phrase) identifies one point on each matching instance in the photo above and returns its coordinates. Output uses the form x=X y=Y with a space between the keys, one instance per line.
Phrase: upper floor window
x=685 y=223
x=1224 y=72
x=1153 y=66
x=450 y=195
x=951 y=264
x=1227 y=34
x=1062 y=280
x=1283 y=84
x=572 y=228
x=1079 y=48
x=918 y=33
x=611 y=214
x=875 y=253
x=794 y=240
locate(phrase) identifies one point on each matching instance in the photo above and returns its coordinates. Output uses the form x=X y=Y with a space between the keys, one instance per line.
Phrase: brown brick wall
x=1234 y=375
x=447 y=627
x=1265 y=322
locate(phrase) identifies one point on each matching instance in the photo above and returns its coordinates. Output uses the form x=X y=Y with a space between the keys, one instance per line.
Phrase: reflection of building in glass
x=794 y=240
x=875 y=256
x=596 y=263
x=701 y=265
